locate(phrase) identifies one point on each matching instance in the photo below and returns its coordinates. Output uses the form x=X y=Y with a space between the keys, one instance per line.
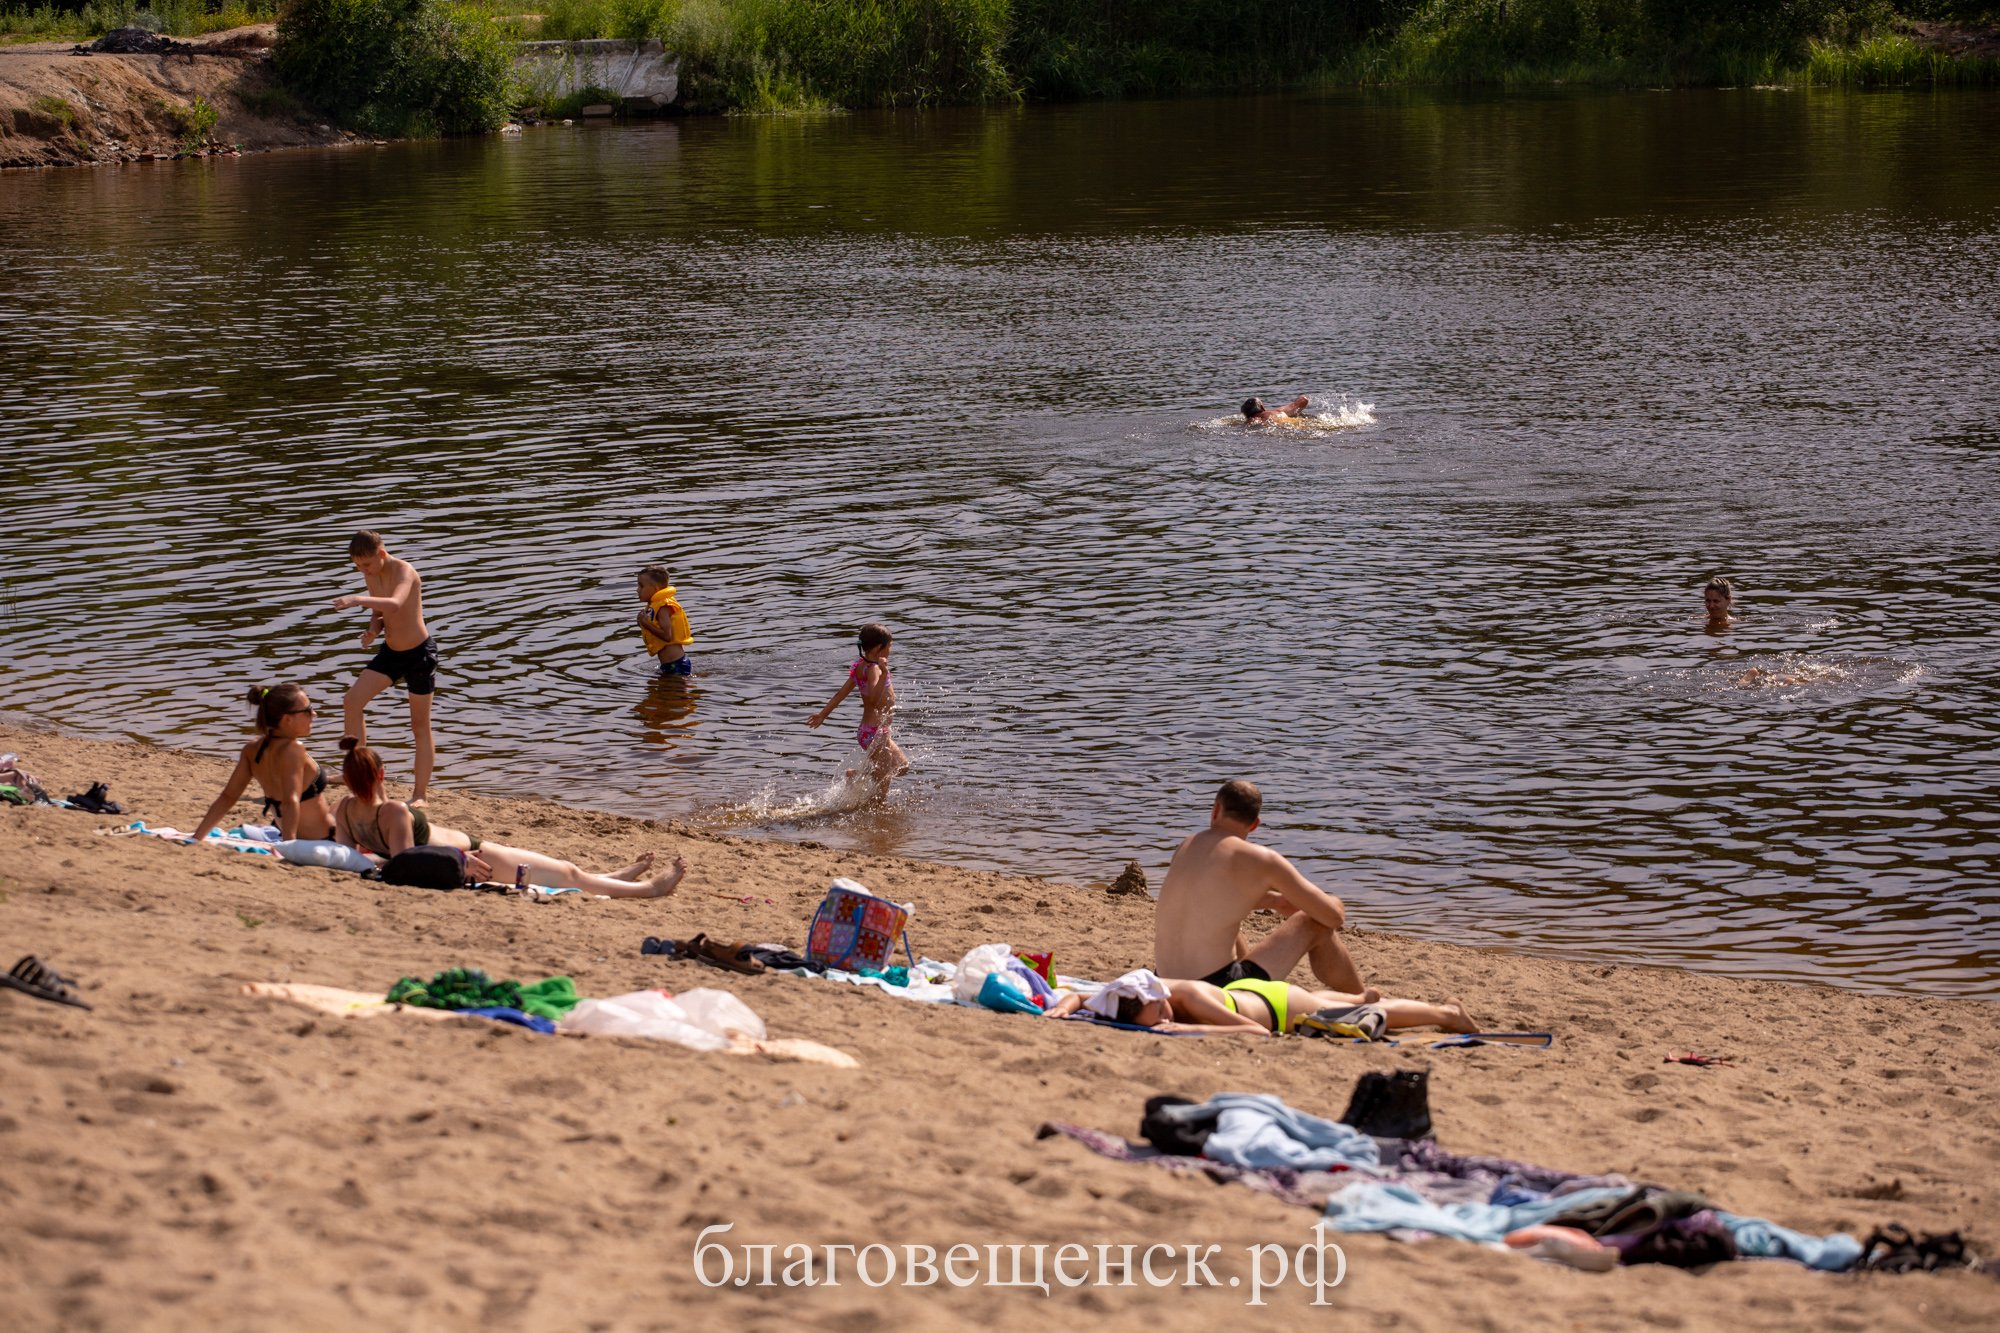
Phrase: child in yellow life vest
x=663 y=624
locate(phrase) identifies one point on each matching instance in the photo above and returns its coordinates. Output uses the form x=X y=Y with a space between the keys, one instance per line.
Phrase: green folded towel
x=551 y=999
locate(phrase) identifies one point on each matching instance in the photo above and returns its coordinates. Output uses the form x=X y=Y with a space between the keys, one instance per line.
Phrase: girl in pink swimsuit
x=870 y=674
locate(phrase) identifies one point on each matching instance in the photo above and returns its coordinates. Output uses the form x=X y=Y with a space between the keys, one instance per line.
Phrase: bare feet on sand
x=634 y=871
x=1456 y=1019
x=659 y=886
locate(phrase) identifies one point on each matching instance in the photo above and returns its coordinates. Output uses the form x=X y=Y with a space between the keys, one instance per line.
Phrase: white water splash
x=848 y=792
x=1321 y=417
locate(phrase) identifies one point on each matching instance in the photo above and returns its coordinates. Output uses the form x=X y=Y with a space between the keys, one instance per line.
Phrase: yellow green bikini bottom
x=1277 y=994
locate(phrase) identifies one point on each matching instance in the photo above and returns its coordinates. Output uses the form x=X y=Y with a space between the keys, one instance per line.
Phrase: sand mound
x=61 y=108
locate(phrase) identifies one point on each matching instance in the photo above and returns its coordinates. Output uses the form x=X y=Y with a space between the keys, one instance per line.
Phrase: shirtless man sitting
x=1255 y=411
x=1217 y=879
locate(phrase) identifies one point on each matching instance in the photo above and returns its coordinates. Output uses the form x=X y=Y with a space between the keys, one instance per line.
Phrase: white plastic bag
x=646 y=1013
x=972 y=970
x=720 y=1012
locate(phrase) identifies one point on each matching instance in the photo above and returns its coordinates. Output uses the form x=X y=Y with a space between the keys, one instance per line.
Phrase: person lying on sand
x=383 y=828
x=1217 y=879
x=294 y=787
x=1255 y=413
x=1246 y=1007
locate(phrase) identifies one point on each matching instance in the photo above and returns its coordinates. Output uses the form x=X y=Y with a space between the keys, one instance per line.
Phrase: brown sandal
x=732 y=957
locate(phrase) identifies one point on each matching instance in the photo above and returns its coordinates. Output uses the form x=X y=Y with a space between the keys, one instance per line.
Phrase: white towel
x=1140 y=984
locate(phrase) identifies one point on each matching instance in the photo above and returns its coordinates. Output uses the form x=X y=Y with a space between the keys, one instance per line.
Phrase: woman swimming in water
x=1717 y=596
x=383 y=828
x=294 y=786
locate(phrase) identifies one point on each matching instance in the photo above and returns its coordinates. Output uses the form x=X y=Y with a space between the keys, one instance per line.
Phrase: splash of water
x=1791 y=676
x=1342 y=413
x=842 y=795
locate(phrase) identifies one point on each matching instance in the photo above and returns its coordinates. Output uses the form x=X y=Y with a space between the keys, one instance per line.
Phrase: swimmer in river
x=1254 y=411
x=1717 y=596
x=1799 y=673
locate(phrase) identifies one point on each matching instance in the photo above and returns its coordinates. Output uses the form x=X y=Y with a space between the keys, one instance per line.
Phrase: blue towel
x=504 y=1015
x=1381 y=1205
x=1258 y=1130
x=1758 y=1239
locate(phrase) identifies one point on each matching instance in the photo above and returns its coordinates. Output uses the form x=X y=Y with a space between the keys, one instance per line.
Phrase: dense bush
x=631 y=20
x=760 y=54
x=397 y=67
x=1063 y=48
x=1611 y=41
x=427 y=66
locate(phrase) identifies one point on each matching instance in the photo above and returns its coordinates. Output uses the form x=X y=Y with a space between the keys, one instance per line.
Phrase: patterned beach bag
x=853 y=930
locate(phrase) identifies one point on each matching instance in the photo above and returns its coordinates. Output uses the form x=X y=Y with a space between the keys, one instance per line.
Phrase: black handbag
x=426 y=868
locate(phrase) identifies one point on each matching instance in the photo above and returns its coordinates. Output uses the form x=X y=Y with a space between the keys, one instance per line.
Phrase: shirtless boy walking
x=408 y=655
x=1217 y=879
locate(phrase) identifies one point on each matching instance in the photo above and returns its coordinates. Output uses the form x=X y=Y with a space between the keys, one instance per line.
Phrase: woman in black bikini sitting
x=294 y=787
x=383 y=828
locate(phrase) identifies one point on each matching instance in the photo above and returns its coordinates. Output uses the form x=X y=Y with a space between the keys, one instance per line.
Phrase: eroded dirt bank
x=58 y=108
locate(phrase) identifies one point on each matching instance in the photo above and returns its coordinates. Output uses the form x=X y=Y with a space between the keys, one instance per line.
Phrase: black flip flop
x=31 y=977
x=97 y=800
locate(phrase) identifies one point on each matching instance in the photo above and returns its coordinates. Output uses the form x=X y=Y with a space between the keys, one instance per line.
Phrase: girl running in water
x=870 y=674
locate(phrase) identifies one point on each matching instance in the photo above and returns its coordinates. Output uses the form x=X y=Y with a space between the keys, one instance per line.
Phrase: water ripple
x=1449 y=625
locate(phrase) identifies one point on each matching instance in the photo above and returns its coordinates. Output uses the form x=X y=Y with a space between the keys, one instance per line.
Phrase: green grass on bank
x=772 y=54
x=398 y=67
x=178 y=18
x=1658 y=43
x=1891 y=59
x=777 y=54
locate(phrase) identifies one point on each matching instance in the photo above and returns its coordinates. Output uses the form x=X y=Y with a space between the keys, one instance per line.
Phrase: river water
x=971 y=373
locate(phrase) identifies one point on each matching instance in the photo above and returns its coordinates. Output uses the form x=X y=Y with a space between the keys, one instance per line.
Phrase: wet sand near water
x=186 y=1156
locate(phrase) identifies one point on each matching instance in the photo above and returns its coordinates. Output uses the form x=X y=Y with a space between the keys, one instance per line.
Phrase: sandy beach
x=185 y=1155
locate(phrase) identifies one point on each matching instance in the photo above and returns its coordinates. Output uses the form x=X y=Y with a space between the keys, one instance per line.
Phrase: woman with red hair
x=365 y=820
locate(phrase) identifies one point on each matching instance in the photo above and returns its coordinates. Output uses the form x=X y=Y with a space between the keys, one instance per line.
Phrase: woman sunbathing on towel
x=1244 y=1007
x=294 y=787
x=383 y=828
